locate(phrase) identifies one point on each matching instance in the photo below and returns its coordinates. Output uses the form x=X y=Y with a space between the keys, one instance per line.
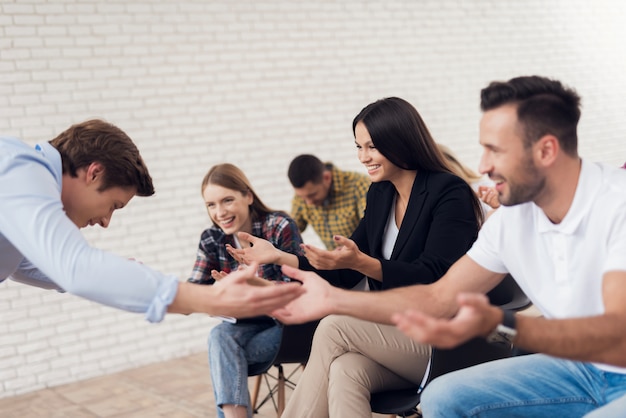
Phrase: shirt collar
x=53 y=158
x=336 y=184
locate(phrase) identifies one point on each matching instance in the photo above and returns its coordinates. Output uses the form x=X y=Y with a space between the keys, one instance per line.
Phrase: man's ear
x=94 y=172
x=327 y=176
x=547 y=148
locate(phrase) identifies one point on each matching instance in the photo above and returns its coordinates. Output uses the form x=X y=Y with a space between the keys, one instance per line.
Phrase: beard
x=526 y=189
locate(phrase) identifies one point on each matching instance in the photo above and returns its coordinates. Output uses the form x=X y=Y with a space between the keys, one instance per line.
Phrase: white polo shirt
x=560 y=267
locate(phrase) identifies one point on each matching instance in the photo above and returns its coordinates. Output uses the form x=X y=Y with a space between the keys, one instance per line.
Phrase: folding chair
x=295 y=347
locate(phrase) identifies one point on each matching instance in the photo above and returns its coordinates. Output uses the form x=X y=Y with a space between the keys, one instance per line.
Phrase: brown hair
x=231 y=177
x=105 y=143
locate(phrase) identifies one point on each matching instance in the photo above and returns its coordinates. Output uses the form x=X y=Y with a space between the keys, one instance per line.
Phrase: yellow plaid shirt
x=342 y=210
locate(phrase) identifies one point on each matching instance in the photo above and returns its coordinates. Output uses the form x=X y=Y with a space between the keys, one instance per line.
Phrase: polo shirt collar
x=336 y=184
x=586 y=191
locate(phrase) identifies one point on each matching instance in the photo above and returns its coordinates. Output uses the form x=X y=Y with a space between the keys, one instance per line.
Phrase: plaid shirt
x=342 y=210
x=276 y=227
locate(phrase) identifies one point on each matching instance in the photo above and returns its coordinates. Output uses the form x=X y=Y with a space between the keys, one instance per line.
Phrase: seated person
x=80 y=179
x=418 y=220
x=233 y=206
x=332 y=201
x=561 y=233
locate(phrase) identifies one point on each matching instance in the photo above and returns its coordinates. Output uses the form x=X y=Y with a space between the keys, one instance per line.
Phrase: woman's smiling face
x=229 y=209
x=378 y=166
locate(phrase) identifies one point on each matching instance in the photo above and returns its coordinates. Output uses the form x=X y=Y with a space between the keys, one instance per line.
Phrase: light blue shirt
x=41 y=246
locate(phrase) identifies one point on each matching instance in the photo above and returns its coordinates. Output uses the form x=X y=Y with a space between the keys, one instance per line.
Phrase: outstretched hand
x=314 y=303
x=255 y=280
x=237 y=297
x=344 y=256
x=476 y=317
x=255 y=250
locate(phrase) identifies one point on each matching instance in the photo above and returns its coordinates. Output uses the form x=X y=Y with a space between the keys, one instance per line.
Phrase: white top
x=34 y=226
x=390 y=234
x=560 y=267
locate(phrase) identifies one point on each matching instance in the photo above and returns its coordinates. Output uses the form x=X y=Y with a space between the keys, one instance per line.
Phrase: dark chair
x=295 y=347
x=405 y=402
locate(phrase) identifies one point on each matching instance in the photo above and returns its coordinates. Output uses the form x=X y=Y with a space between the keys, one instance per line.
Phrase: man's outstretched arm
x=438 y=299
x=238 y=295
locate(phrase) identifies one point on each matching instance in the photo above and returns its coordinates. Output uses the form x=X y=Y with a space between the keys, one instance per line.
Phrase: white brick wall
x=255 y=83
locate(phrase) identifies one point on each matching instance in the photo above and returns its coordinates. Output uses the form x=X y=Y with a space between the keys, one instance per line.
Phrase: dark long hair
x=400 y=135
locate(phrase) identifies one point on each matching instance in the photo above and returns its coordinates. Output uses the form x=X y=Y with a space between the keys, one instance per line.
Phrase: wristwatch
x=504 y=332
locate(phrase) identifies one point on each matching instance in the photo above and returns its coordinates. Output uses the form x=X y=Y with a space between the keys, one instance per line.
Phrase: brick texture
x=256 y=82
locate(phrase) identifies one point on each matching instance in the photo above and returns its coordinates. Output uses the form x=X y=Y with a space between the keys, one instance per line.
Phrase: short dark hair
x=305 y=168
x=544 y=106
x=105 y=143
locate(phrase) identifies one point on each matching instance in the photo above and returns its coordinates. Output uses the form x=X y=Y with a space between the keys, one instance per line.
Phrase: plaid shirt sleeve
x=211 y=255
x=282 y=232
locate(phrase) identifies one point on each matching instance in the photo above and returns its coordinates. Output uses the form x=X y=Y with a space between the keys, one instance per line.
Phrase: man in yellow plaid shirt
x=332 y=201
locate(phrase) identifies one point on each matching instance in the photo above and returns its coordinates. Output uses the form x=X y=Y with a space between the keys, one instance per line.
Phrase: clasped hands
x=475 y=317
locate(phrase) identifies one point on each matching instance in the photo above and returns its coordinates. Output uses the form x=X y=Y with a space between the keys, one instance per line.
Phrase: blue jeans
x=231 y=348
x=529 y=386
x=614 y=409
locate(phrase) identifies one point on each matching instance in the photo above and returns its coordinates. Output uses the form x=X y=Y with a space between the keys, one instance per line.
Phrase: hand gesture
x=344 y=256
x=236 y=297
x=218 y=275
x=314 y=303
x=489 y=195
x=476 y=317
x=256 y=250
x=255 y=280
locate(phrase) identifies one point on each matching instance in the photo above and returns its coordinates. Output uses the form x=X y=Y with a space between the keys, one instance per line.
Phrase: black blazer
x=438 y=228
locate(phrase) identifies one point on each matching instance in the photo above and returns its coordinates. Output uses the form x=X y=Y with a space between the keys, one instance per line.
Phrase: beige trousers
x=350 y=359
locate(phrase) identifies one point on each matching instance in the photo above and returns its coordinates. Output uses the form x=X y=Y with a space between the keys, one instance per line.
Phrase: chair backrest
x=507 y=295
x=295 y=347
x=470 y=353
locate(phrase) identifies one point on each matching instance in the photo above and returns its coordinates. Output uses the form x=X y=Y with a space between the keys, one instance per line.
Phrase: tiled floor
x=178 y=388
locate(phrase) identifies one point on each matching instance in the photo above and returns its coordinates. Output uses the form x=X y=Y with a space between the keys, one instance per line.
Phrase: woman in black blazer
x=419 y=219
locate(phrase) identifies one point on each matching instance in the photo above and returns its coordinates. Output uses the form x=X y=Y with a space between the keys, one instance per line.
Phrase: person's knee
x=328 y=330
x=344 y=372
x=438 y=398
x=333 y=329
x=217 y=338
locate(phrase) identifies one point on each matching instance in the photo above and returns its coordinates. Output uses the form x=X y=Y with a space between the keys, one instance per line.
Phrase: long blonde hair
x=457 y=167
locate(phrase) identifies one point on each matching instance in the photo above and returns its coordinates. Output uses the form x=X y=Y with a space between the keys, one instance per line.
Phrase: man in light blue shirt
x=79 y=179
